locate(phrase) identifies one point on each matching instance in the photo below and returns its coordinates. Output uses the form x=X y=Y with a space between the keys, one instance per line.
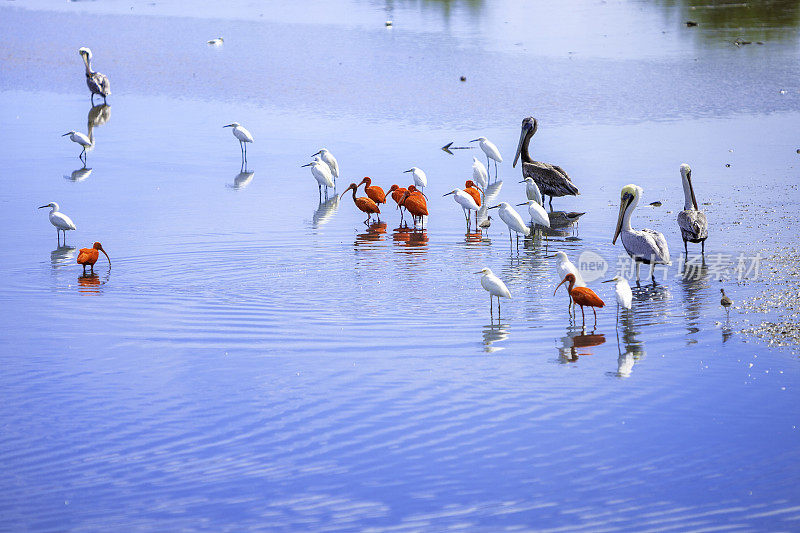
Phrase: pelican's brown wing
x=552 y=180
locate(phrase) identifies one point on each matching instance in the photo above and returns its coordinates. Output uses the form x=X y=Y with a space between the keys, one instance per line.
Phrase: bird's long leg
x=636 y=266
x=685 y=248
x=92 y=268
x=551 y=203
x=491 y=307
x=84 y=270
x=510 y=240
x=92 y=99
x=595 y=316
x=569 y=305
x=583 y=317
x=703 y=247
x=498 y=309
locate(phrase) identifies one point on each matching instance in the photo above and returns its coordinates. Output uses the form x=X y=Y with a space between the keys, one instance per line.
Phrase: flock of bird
x=541 y=180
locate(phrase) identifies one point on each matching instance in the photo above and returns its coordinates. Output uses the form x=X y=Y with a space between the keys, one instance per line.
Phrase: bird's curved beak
x=66 y=134
x=43 y=206
x=495 y=206
x=306 y=165
x=449 y=193
x=560 y=284
x=623 y=206
x=105 y=254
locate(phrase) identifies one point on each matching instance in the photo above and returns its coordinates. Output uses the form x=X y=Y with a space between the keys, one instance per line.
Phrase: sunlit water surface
x=257 y=360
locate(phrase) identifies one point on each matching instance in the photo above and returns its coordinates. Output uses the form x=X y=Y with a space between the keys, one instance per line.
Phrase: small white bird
x=244 y=137
x=326 y=156
x=563 y=267
x=537 y=212
x=322 y=173
x=513 y=220
x=420 y=179
x=216 y=42
x=466 y=201
x=83 y=140
x=479 y=173
x=61 y=221
x=491 y=152
x=495 y=287
x=623 y=292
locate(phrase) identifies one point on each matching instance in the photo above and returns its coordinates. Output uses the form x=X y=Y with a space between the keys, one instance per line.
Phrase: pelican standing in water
x=326 y=156
x=644 y=246
x=692 y=221
x=551 y=179
x=495 y=287
x=420 y=179
x=83 y=140
x=513 y=220
x=322 y=173
x=98 y=83
x=479 y=173
x=61 y=221
x=491 y=152
x=244 y=137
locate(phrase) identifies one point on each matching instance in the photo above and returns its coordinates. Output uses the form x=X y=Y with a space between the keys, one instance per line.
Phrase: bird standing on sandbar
x=88 y=256
x=692 y=222
x=98 y=83
x=61 y=221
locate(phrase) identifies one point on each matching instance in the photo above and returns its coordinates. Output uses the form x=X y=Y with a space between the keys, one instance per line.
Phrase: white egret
x=81 y=139
x=466 y=201
x=326 y=156
x=623 y=292
x=692 y=222
x=495 y=287
x=216 y=42
x=58 y=219
x=537 y=212
x=420 y=179
x=98 y=83
x=322 y=173
x=644 y=246
x=563 y=267
x=479 y=173
x=244 y=137
x=491 y=152
x=513 y=220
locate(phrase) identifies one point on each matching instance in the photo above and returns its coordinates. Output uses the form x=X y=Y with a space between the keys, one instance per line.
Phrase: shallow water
x=256 y=360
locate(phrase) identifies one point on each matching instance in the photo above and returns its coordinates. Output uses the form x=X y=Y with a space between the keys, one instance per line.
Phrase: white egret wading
x=479 y=173
x=513 y=220
x=98 y=83
x=244 y=137
x=538 y=214
x=81 y=139
x=622 y=290
x=61 y=221
x=495 y=287
x=329 y=160
x=420 y=179
x=491 y=152
x=322 y=173
x=692 y=222
x=467 y=203
x=643 y=246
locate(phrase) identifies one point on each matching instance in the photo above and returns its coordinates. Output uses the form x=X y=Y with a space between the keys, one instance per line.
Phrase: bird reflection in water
x=473 y=238
x=410 y=237
x=633 y=347
x=494 y=333
x=79 y=174
x=98 y=116
x=242 y=179
x=490 y=194
x=91 y=283
x=694 y=284
x=62 y=256
x=325 y=211
x=373 y=233
x=577 y=342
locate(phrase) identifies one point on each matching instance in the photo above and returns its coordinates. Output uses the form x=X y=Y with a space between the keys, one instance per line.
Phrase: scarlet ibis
x=473 y=190
x=583 y=296
x=397 y=193
x=622 y=291
x=563 y=267
x=363 y=203
x=88 y=256
x=415 y=203
x=61 y=221
x=491 y=152
x=420 y=179
x=494 y=286
x=374 y=192
x=243 y=136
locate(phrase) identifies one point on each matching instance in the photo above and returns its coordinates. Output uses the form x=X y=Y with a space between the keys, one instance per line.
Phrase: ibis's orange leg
x=583 y=317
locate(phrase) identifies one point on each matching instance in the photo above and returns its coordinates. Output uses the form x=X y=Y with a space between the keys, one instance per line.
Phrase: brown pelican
x=551 y=179
x=644 y=246
x=692 y=221
x=98 y=83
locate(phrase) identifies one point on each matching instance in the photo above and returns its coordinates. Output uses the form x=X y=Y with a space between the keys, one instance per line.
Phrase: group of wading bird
x=541 y=180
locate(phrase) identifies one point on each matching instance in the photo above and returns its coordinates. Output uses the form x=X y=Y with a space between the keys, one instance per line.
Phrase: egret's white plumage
x=564 y=266
x=81 y=139
x=538 y=214
x=622 y=291
x=644 y=246
x=466 y=201
x=420 y=179
x=512 y=219
x=322 y=173
x=489 y=149
x=61 y=221
x=329 y=160
x=243 y=136
x=479 y=173
x=532 y=191
x=216 y=42
x=494 y=286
